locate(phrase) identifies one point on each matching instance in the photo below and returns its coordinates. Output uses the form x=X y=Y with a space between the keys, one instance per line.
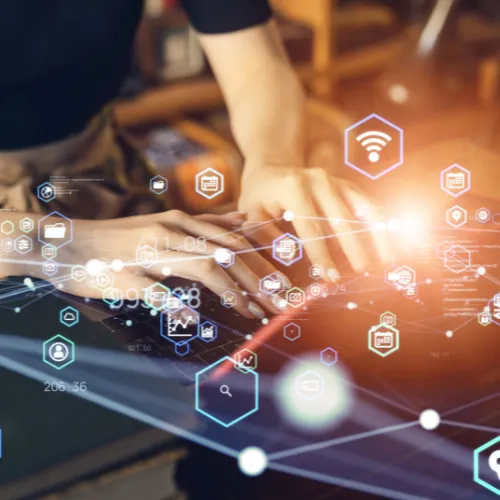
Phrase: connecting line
x=330 y=219
x=122 y=409
x=469 y=405
x=471 y=426
x=341 y=440
x=347 y=483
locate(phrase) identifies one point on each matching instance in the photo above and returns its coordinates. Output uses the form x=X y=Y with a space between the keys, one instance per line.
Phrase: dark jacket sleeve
x=226 y=16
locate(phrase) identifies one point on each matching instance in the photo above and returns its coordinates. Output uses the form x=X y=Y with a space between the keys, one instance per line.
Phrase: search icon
x=224 y=389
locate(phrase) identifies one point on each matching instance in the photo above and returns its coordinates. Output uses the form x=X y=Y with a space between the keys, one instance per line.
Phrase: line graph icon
x=374 y=141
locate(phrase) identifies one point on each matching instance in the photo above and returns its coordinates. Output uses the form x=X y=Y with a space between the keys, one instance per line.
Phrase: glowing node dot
x=288 y=215
x=117 y=265
x=394 y=225
x=481 y=271
x=265 y=321
x=94 y=267
x=252 y=461
x=166 y=271
x=282 y=304
x=429 y=420
x=249 y=336
x=351 y=305
x=449 y=334
x=17 y=310
x=153 y=312
x=128 y=322
x=428 y=281
x=244 y=293
x=222 y=255
x=87 y=299
x=374 y=157
x=29 y=283
x=60 y=286
x=366 y=274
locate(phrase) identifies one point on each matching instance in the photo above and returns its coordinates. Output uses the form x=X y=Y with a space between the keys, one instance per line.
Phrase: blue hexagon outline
x=70 y=342
x=216 y=331
x=46 y=200
x=151 y=184
x=298 y=329
x=461 y=209
x=477 y=479
x=110 y=302
x=446 y=260
x=360 y=170
x=329 y=349
x=45 y=247
x=467 y=184
x=53 y=214
x=322 y=385
x=72 y=309
x=146 y=294
x=395 y=268
x=215 y=419
x=23 y=237
x=53 y=272
x=300 y=252
x=488 y=212
x=182 y=340
x=215 y=172
x=221 y=298
x=390 y=351
x=261 y=281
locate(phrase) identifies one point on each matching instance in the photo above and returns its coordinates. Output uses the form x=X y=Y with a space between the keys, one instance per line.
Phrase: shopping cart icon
x=55 y=231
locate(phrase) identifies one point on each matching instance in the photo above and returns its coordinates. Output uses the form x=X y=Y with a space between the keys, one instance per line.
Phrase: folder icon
x=56 y=231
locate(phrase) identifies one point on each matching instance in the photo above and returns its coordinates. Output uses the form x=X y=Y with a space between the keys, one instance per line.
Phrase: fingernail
x=287 y=282
x=256 y=310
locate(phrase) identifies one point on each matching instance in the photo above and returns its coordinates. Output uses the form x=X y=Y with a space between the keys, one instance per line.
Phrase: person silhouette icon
x=58 y=352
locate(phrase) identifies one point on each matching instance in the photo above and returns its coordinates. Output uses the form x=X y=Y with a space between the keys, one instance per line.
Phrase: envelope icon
x=56 y=231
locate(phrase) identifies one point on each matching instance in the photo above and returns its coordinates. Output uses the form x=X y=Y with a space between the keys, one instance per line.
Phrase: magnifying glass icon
x=224 y=389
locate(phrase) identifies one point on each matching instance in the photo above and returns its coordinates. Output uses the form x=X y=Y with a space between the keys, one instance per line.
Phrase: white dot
x=17 y=310
x=153 y=312
x=398 y=93
x=449 y=334
x=252 y=461
x=94 y=267
x=265 y=321
x=166 y=271
x=481 y=271
x=117 y=265
x=374 y=157
x=222 y=255
x=394 y=225
x=288 y=215
x=366 y=274
x=351 y=305
x=429 y=420
x=29 y=283
x=428 y=281
x=128 y=322
x=249 y=336
x=244 y=293
x=60 y=286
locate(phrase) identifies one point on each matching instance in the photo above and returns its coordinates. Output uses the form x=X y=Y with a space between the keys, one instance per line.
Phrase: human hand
x=318 y=201
x=185 y=247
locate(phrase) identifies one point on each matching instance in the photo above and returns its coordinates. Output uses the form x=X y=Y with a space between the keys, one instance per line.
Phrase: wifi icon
x=374 y=141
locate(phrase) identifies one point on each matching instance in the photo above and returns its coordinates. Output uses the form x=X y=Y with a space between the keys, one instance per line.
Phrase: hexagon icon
x=411 y=291
x=328 y=356
x=224 y=257
x=487 y=466
x=484 y=318
x=181 y=326
x=69 y=316
x=455 y=180
x=79 y=273
x=310 y=385
x=287 y=249
x=373 y=146
x=273 y=283
x=49 y=252
x=457 y=259
x=56 y=232
x=156 y=296
x=58 y=352
x=112 y=296
x=245 y=360
x=316 y=272
x=207 y=331
x=49 y=267
x=383 y=339
x=158 y=184
x=494 y=308
x=46 y=192
x=456 y=216
x=229 y=398
x=483 y=215
x=389 y=318
x=7 y=245
x=295 y=297
x=228 y=299
x=26 y=225
x=146 y=256
x=210 y=183
x=7 y=227
x=103 y=281
x=291 y=331
x=402 y=277
x=23 y=244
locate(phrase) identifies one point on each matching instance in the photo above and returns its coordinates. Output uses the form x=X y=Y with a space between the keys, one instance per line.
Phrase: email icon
x=55 y=231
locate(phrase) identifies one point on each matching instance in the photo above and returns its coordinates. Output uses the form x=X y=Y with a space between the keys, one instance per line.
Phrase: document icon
x=55 y=231
x=210 y=183
x=455 y=180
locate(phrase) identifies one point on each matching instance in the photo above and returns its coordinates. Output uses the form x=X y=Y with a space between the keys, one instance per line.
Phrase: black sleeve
x=226 y=16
